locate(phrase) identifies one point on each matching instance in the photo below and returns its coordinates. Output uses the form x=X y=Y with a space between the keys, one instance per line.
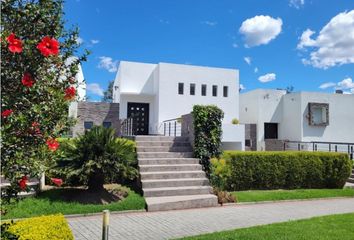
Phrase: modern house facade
x=300 y=116
x=152 y=94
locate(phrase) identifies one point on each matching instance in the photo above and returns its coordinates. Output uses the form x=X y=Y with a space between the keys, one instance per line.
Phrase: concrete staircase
x=171 y=179
x=351 y=178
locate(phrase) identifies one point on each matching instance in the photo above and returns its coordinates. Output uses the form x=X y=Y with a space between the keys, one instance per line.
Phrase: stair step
x=165 y=154
x=177 y=191
x=180 y=202
x=178 y=182
x=164 y=149
x=163 y=144
x=160 y=138
x=351 y=180
x=172 y=175
x=170 y=167
x=160 y=161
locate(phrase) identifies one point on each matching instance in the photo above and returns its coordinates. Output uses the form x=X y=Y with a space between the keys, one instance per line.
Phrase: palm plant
x=98 y=156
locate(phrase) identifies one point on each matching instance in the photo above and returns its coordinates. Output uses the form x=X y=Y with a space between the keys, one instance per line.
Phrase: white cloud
x=267 y=77
x=242 y=87
x=296 y=3
x=346 y=83
x=256 y=69
x=94 y=41
x=327 y=85
x=209 y=23
x=260 y=30
x=234 y=45
x=334 y=44
x=95 y=89
x=108 y=64
x=79 y=40
x=248 y=60
x=164 y=21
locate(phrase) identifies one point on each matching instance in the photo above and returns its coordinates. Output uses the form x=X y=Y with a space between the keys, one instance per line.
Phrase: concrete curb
x=100 y=213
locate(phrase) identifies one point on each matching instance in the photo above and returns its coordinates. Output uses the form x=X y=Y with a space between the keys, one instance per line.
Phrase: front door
x=270 y=130
x=139 y=112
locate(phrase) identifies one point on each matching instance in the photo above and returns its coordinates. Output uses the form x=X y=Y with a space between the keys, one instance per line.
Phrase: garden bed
x=75 y=201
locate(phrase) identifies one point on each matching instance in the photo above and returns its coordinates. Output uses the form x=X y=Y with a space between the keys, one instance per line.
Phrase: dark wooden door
x=139 y=112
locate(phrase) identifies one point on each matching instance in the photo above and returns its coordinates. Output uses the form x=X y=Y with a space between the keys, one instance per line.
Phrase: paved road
x=174 y=224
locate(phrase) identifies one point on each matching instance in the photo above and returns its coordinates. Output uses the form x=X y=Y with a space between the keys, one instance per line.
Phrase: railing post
x=284 y=146
x=169 y=128
x=175 y=128
x=335 y=148
x=105 y=225
x=298 y=146
x=316 y=147
x=313 y=147
x=164 y=129
x=329 y=147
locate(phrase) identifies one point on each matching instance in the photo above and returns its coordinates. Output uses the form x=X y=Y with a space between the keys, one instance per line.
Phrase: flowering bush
x=37 y=84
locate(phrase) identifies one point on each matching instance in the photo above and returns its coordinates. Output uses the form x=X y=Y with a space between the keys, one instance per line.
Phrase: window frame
x=204 y=90
x=180 y=88
x=88 y=122
x=225 y=91
x=192 y=86
x=214 y=90
x=105 y=122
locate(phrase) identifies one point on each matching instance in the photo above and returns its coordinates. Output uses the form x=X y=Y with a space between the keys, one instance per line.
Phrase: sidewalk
x=175 y=224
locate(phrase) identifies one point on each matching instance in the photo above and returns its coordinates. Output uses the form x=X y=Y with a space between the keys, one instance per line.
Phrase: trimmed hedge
x=236 y=171
x=52 y=227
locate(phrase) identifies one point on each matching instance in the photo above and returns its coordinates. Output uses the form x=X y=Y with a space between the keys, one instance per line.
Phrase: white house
x=154 y=93
x=299 y=116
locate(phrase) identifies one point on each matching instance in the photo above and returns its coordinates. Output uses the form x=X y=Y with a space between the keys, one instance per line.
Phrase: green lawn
x=275 y=195
x=51 y=202
x=334 y=227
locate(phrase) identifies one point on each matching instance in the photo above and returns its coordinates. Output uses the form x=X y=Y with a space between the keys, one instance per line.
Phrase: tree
x=37 y=84
x=98 y=156
x=108 y=94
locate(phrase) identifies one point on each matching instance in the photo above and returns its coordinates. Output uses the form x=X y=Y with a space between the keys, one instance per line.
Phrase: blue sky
x=301 y=43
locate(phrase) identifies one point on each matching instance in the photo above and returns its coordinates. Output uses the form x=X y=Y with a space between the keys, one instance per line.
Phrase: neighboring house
x=299 y=116
x=153 y=94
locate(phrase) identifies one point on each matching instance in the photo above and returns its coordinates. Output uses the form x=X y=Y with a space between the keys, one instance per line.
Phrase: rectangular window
x=204 y=89
x=180 y=88
x=88 y=125
x=225 y=91
x=215 y=90
x=192 y=89
x=318 y=114
x=107 y=124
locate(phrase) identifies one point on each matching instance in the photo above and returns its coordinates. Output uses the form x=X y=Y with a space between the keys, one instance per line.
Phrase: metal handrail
x=172 y=127
x=127 y=127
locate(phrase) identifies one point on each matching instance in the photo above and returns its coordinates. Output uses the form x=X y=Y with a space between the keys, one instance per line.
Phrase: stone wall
x=251 y=136
x=274 y=145
x=96 y=112
x=188 y=127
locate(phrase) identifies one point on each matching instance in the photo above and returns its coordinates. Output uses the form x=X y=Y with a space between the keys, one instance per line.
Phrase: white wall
x=172 y=105
x=233 y=137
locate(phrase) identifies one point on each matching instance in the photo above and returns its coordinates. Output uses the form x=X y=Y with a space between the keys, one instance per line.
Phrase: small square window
x=225 y=91
x=215 y=90
x=180 y=88
x=192 y=89
x=318 y=114
x=106 y=124
x=88 y=125
x=204 y=89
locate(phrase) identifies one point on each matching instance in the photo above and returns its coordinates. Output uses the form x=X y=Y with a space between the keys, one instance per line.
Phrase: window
x=204 y=89
x=192 y=89
x=107 y=124
x=215 y=90
x=225 y=91
x=270 y=130
x=88 y=125
x=318 y=114
x=180 y=88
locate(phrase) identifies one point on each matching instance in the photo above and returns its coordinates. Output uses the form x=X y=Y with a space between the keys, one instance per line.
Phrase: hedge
x=236 y=171
x=52 y=227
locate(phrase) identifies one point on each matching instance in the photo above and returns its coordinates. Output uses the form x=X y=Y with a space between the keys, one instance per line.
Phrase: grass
x=52 y=202
x=333 y=227
x=275 y=195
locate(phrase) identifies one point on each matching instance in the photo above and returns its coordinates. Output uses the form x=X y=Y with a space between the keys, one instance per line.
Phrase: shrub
x=280 y=170
x=235 y=121
x=37 y=84
x=207 y=132
x=52 y=227
x=98 y=157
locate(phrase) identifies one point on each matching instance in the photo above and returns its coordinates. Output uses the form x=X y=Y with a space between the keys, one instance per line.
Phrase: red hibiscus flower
x=27 y=80
x=6 y=113
x=23 y=182
x=57 y=181
x=70 y=93
x=48 y=46
x=15 y=44
x=52 y=144
x=35 y=128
